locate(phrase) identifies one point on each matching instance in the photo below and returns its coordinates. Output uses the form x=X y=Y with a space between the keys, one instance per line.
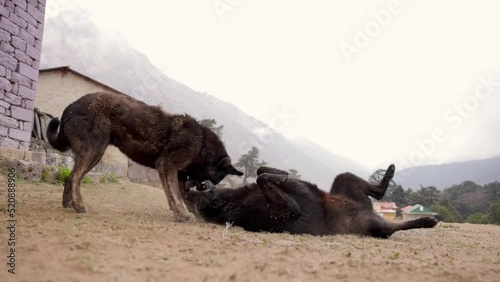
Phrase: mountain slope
x=445 y=175
x=108 y=58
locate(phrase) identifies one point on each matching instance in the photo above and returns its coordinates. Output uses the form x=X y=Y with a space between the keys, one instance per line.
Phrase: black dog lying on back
x=276 y=203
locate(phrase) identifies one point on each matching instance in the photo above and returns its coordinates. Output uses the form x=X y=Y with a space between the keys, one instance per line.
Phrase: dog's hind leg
x=381 y=228
x=85 y=160
x=357 y=188
x=378 y=190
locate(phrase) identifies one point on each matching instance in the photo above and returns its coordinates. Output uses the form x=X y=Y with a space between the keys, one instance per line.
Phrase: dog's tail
x=57 y=139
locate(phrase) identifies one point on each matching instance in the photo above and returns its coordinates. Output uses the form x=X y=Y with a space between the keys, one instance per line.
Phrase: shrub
x=110 y=178
x=477 y=218
x=445 y=212
x=62 y=174
x=494 y=212
x=87 y=180
x=45 y=175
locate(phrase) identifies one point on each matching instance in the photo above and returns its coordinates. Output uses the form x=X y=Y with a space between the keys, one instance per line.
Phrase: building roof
x=419 y=209
x=385 y=205
x=65 y=69
x=388 y=205
x=406 y=208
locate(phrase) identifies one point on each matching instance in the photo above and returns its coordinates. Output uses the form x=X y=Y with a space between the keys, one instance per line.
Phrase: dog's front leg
x=181 y=182
x=270 y=170
x=169 y=181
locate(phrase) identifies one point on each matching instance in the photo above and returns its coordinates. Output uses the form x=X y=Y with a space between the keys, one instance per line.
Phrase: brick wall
x=21 y=31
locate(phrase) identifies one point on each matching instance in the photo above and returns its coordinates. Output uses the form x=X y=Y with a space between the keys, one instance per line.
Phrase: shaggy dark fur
x=277 y=203
x=176 y=145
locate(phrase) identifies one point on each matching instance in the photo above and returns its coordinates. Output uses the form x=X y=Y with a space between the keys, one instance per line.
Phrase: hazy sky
x=408 y=82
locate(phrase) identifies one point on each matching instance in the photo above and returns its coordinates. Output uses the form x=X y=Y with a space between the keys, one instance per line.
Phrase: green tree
x=400 y=196
x=494 y=212
x=250 y=163
x=377 y=176
x=455 y=191
x=212 y=124
x=294 y=173
x=492 y=190
x=446 y=212
x=426 y=196
x=470 y=198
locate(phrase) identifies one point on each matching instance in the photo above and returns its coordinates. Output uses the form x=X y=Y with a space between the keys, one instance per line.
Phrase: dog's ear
x=232 y=170
x=229 y=168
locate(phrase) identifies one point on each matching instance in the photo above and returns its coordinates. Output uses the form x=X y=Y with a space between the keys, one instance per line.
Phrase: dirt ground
x=129 y=234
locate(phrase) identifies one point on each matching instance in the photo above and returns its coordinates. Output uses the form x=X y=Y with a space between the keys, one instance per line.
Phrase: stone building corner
x=21 y=33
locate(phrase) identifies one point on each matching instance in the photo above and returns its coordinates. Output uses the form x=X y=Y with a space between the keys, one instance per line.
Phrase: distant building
x=59 y=87
x=417 y=211
x=406 y=208
x=387 y=210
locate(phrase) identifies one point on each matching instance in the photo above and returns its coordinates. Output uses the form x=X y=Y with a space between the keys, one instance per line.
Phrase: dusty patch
x=129 y=234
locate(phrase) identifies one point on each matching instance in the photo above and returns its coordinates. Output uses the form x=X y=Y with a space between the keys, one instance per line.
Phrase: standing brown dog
x=176 y=145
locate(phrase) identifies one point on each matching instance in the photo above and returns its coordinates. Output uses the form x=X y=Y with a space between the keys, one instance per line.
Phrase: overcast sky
x=409 y=82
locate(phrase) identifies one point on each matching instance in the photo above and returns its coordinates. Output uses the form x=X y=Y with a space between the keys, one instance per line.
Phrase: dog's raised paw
x=390 y=170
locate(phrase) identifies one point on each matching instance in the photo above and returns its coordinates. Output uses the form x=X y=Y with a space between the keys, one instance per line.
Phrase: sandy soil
x=129 y=234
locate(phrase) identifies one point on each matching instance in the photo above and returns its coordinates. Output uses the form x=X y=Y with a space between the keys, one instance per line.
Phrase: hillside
x=108 y=58
x=445 y=175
